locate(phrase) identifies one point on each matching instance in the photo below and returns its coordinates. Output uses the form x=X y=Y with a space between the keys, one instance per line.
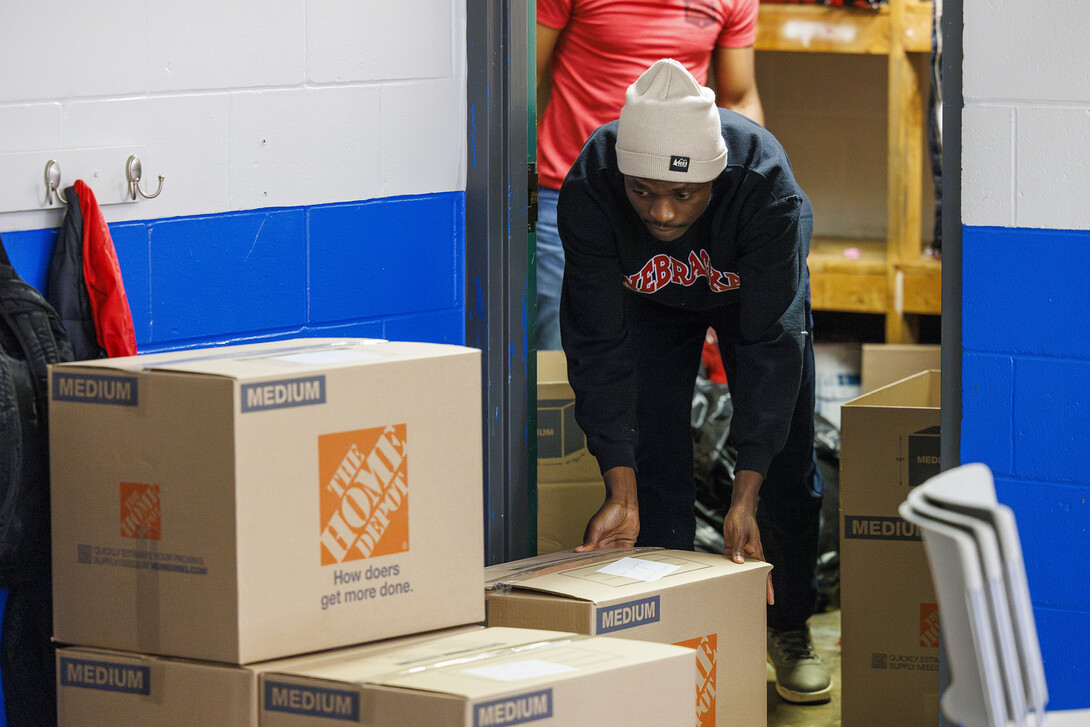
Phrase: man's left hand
x=741 y=536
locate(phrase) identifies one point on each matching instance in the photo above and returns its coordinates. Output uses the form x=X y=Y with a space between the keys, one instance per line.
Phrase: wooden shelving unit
x=894 y=276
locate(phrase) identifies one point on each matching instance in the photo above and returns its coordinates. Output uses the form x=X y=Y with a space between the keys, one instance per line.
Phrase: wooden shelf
x=921 y=285
x=894 y=276
x=822 y=29
x=849 y=275
x=855 y=276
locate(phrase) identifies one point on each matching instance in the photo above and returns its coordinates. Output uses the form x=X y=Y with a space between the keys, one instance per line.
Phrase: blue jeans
x=550 y=271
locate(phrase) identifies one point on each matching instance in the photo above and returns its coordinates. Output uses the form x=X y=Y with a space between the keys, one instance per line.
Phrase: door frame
x=500 y=295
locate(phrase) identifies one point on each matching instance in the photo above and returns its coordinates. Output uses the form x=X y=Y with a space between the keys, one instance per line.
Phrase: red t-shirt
x=607 y=44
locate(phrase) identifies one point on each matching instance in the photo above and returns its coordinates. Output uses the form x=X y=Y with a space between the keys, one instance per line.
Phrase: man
x=588 y=53
x=677 y=217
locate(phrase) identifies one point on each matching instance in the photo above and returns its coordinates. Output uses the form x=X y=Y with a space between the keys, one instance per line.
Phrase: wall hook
x=133 y=172
x=53 y=182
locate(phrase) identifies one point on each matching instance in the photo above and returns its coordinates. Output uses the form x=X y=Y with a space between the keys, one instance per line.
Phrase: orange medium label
x=706 y=654
x=140 y=511
x=364 y=483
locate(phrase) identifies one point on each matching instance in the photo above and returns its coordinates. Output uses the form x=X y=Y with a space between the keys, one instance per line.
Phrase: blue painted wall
x=390 y=268
x=1026 y=414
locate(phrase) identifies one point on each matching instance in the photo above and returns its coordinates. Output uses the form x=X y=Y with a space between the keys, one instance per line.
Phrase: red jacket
x=85 y=283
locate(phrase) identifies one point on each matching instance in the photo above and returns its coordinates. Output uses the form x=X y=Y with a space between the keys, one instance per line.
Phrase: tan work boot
x=800 y=675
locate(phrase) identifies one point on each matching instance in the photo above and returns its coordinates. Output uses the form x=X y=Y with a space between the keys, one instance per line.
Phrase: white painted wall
x=239 y=105
x=1026 y=121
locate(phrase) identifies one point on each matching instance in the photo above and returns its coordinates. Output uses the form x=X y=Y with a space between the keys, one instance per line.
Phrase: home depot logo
x=929 y=625
x=363 y=477
x=140 y=512
x=706 y=658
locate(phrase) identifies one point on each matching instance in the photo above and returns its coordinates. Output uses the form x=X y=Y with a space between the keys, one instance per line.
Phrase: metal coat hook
x=133 y=172
x=53 y=182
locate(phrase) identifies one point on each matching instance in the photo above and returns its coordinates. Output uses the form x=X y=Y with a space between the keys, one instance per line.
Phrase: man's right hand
x=617 y=522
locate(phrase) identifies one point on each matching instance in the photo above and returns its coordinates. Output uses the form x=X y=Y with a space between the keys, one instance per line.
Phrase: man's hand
x=617 y=522
x=741 y=536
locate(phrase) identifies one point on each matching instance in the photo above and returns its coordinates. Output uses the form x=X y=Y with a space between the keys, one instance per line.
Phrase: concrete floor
x=825 y=629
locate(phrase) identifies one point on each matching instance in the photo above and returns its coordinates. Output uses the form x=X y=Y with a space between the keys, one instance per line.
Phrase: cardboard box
x=836 y=377
x=885 y=363
x=562 y=454
x=700 y=600
x=889 y=618
x=251 y=502
x=490 y=678
x=106 y=688
x=563 y=511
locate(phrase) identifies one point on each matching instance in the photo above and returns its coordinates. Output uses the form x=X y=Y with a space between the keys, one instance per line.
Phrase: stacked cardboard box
x=498 y=677
x=462 y=677
x=884 y=363
x=246 y=503
x=259 y=501
x=700 y=600
x=289 y=533
x=570 y=487
x=889 y=617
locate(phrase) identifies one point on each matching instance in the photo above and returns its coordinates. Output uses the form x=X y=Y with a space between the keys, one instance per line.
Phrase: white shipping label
x=637 y=569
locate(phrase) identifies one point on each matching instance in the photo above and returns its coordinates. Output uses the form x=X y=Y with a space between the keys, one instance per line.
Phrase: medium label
x=515 y=710
x=95 y=389
x=105 y=675
x=628 y=615
x=283 y=394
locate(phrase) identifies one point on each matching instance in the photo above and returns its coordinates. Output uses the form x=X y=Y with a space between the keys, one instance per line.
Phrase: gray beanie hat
x=669 y=127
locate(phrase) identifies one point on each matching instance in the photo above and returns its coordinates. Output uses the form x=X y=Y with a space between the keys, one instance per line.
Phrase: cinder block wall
x=1025 y=320
x=313 y=154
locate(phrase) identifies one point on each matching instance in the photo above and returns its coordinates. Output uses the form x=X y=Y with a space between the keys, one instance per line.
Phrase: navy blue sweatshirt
x=746 y=254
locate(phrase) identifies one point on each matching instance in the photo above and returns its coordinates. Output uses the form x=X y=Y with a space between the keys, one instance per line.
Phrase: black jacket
x=746 y=253
x=31 y=338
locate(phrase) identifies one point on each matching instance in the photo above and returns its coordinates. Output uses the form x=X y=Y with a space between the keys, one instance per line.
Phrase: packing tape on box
x=514 y=573
x=480 y=656
x=232 y=352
